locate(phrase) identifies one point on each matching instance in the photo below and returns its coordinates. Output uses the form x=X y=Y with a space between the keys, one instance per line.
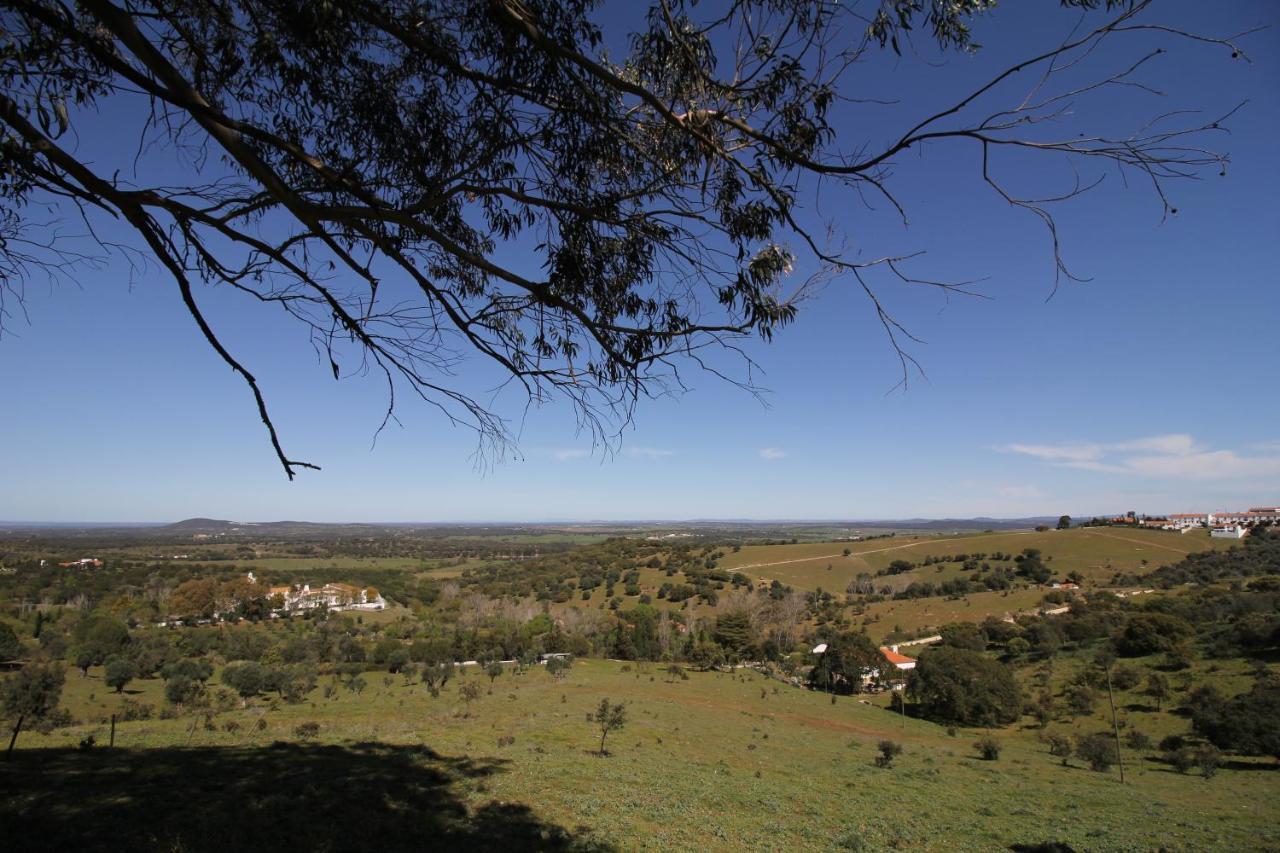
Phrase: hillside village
x=1224 y=525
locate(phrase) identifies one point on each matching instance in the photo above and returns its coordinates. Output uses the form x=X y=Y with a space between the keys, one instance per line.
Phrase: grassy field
x=717 y=762
x=1097 y=553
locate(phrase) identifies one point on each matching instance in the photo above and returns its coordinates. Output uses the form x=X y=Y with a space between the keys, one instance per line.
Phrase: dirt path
x=1141 y=542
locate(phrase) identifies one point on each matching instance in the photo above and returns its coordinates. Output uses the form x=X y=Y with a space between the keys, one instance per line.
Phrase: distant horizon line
x=557 y=521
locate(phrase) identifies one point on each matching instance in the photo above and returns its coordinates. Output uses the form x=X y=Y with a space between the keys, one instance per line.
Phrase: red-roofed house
x=901 y=661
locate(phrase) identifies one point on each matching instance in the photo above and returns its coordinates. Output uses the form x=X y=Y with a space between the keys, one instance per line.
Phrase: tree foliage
x=848 y=657
x=965 y=687
x=30 y=695
x=1248 y=723
x=369 y=169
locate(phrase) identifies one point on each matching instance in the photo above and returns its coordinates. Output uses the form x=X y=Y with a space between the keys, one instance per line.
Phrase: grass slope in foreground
x=717 y=761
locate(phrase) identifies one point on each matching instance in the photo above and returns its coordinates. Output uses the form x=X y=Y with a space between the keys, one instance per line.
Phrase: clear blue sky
x=1152 y=387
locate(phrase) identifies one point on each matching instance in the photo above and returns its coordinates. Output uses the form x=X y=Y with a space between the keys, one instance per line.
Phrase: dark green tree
x=1248 y=723
x=965 y=687
x=118 y=672
x=30 y=695
x=848 y=657
x=246 y=677
x=10 y=646
x=1158 y=688
x=1098 y=750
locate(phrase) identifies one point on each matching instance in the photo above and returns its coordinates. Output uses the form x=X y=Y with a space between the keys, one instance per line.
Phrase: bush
x=888 y=751
x=988 y=747
x=131 y=710
x=1059 y=746
x=1098 y=750
x=1183 y=758
x=1125 y=677
x=307 y=731
x=1209 y=758
x=1137 y=740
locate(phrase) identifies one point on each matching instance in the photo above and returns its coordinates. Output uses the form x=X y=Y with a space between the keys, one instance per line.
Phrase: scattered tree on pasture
x=1208 y=759
x=246 y=677
x=118 y=672
x=493 y=670
x=1059 y=746
x=1081 y=699
x=889 y=750
x=609 y=718
x=1098 y=750
x=30 y=695
x=469 y=691
x=558 y=667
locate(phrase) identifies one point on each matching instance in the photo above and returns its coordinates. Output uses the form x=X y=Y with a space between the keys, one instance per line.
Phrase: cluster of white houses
x=332 y=596
x=298 y=598
x=1228 y=525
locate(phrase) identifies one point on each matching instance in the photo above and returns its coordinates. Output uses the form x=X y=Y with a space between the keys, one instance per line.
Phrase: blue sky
x=1151 y=387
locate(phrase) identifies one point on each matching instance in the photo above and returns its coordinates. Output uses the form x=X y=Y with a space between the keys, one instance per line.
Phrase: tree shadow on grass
x=283 y=797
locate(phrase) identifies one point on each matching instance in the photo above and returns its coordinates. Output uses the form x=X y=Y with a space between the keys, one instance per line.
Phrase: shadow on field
x=283 y=797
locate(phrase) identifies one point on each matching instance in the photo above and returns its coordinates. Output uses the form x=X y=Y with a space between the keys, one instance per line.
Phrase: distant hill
x=201 y=525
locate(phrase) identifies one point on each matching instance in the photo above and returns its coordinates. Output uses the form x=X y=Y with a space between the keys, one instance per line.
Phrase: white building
x=1234 y=531
x=333 y=596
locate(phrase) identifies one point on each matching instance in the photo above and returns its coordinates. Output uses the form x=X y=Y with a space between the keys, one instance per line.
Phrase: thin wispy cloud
x=772 y=453
x=566 y=454
x=648 y=452
x=1177 y=455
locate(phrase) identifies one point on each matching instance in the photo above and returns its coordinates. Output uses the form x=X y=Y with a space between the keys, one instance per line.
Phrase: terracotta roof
x=893 y=657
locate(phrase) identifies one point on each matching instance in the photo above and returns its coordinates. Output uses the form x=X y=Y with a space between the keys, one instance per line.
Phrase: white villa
x=333 y=596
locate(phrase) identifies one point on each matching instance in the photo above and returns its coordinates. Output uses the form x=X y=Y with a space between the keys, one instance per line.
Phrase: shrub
x=888 y=751
x=1183 y=758
x=1137 y=740
x=1098 y=750
x=1081 y=699
x=850 y=839
x=1125 y=677
x=1209 y=758
x=1059 y=746
x=307 y=731
x=988 y=747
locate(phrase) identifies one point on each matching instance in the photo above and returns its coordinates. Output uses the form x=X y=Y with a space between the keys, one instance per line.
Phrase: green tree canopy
x=30 y=695
x=847 y=658
x=962 y=686
x=10 y=646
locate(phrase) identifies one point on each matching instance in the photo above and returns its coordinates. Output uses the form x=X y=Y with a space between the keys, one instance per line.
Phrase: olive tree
x=608 y=718
x=30 y=695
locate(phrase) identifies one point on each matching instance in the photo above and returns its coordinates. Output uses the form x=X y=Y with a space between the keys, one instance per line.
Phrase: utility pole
x=1115 y=727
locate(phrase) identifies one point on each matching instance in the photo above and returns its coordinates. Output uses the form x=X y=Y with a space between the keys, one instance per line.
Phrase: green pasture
x=1097 y=553
x=717 y=761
